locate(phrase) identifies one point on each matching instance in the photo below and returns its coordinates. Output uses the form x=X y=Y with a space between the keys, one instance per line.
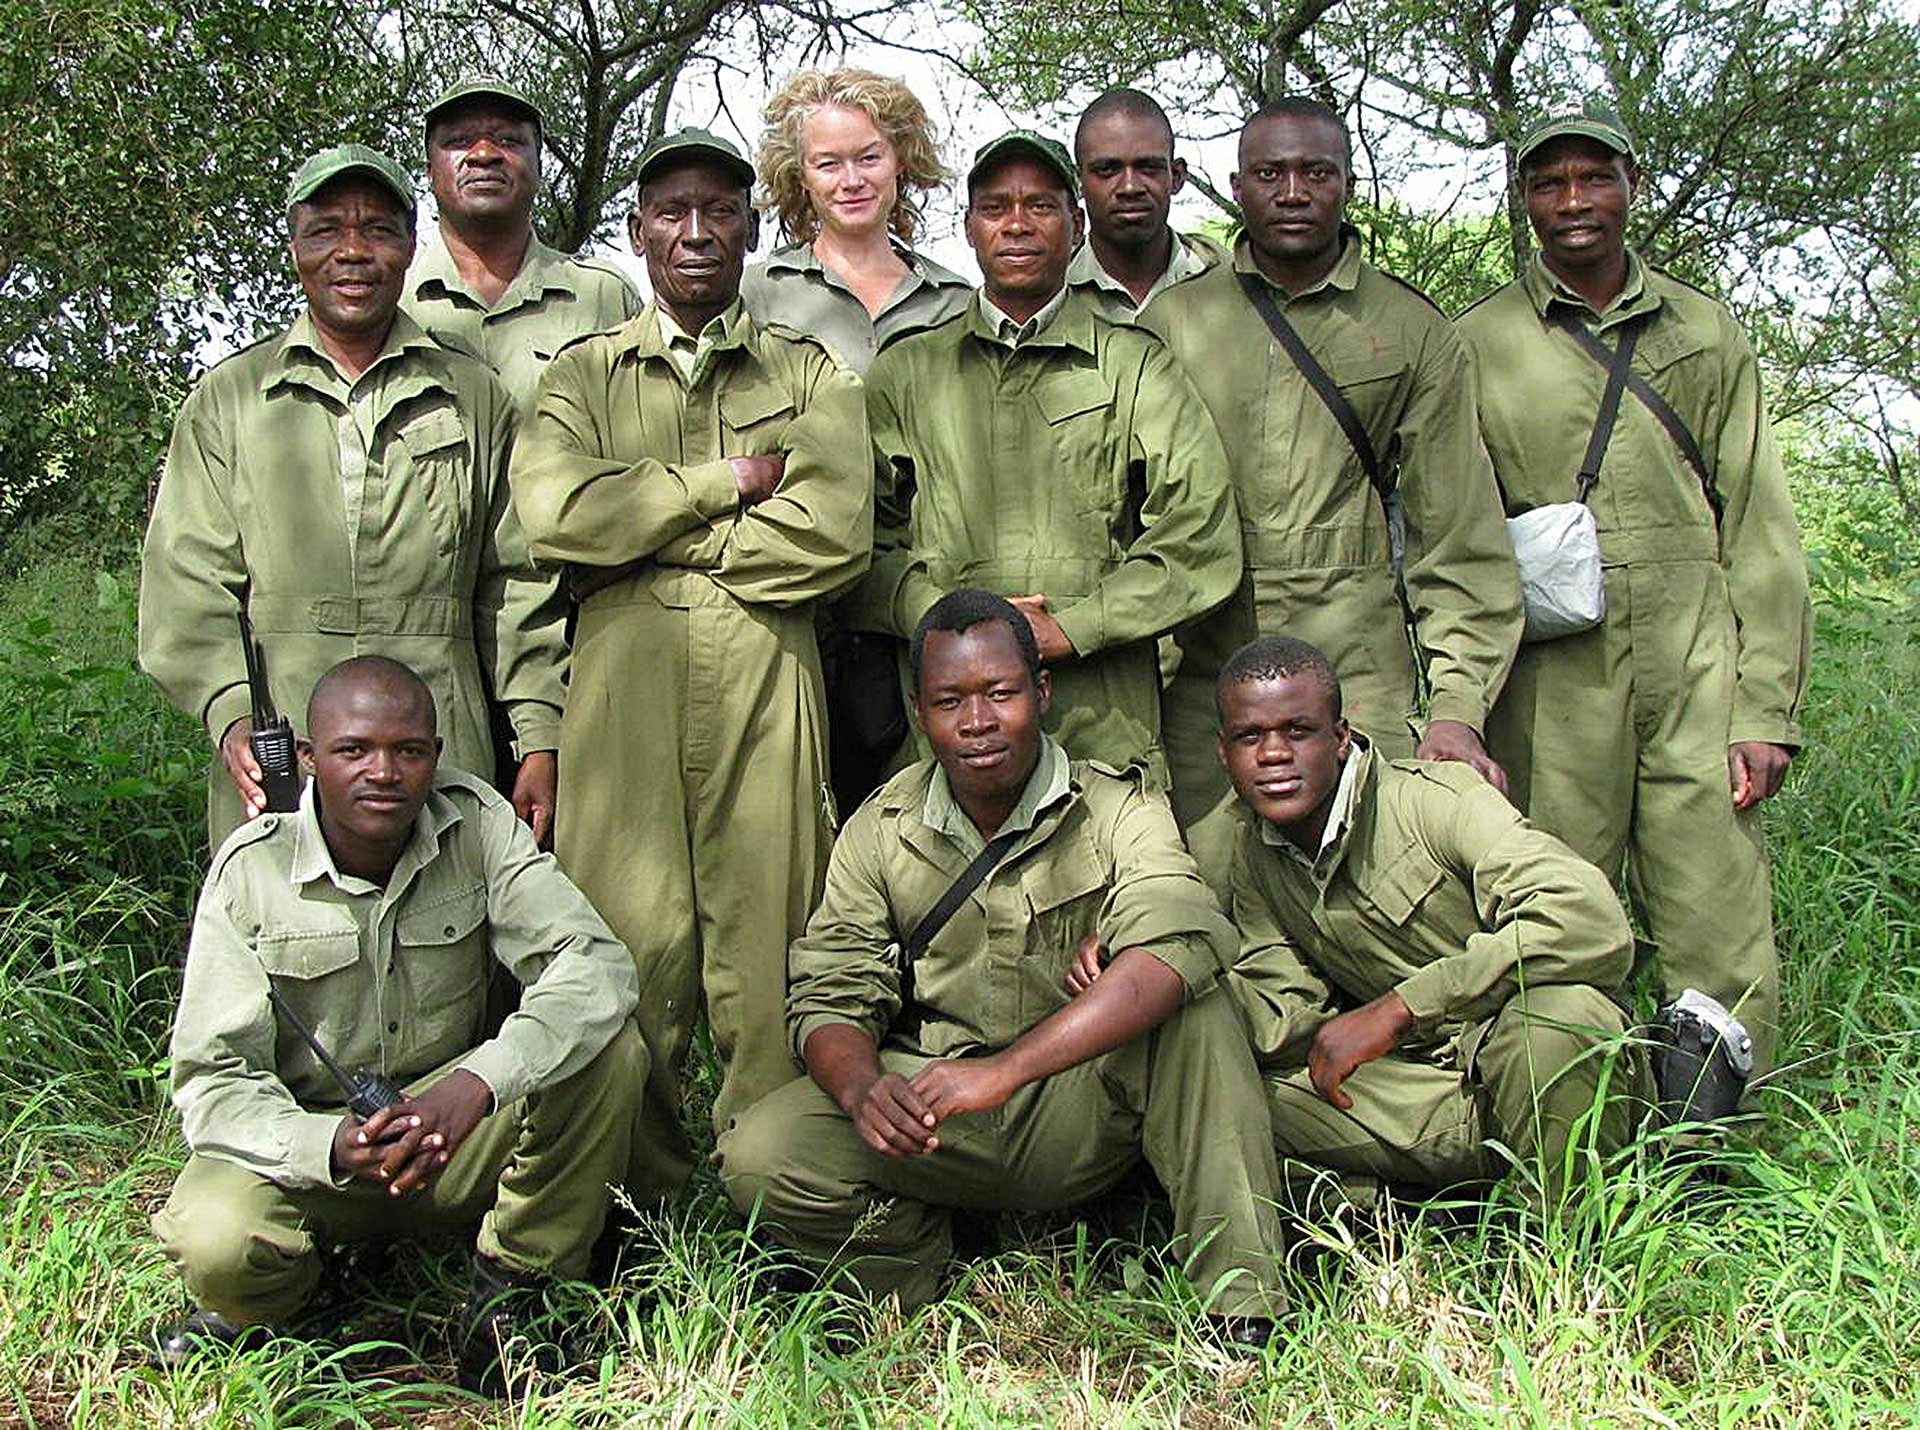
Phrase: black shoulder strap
x=949 y=904
x=1317 y=378
x=1618 y=363
x=1652 y=401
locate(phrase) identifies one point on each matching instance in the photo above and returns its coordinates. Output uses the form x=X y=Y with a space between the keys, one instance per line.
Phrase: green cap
x=688 y=143
x=1595 y=119
x=1047 y=150
x=492 y=88
x=347 y=159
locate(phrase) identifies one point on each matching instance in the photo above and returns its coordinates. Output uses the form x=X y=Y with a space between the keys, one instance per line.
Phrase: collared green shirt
x=1051 y=780
x=1080 y=465
x=1106 y=855
x=1436 y=888
x=1318 y=553
x=392 y=979
x=1539 y=393
x=552 y=300
x=1009 y=331
x=370 y=516
x=688 y=351
x=1192 y=255
x=625 y=466
x=795 y=288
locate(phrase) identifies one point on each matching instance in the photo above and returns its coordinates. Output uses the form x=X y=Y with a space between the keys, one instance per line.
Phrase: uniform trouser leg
x=534 y=1176
x=623 y=835
x=1533 y=1076
x=761 y=812
x=1616 y=740
x=886 y=1221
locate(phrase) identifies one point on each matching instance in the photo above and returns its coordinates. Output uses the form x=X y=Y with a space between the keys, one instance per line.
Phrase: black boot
x=501 y=1308
x=178 y=1342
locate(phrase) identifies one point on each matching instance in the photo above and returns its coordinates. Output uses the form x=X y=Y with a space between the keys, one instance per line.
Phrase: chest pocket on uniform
x=1078 y=409
x=303 y=963
x=443 y=956
x=436 y=445
x=1063 y=900
x=1393 y=893
x=757 y=417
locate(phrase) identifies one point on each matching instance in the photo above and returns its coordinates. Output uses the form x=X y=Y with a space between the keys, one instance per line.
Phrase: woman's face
x=849 y=169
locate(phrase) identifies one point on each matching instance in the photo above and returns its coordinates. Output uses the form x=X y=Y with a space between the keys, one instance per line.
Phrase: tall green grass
x=1773 y=1284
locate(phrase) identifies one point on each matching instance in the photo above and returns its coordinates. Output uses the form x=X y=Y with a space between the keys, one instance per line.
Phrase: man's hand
x=1756 y=769
x=237 y=755
x=955 y=1085
x=1457 y=740
x=892 y=1118
x=535 y=789
x=1053 y=642
x=756 y=477
x=445 y=1115
x=362 y=1150
x=1089 y=959
x=1352 y=1040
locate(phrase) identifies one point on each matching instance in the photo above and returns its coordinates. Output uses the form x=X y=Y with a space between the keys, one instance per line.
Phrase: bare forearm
x=1135 y=994
x=843 y=1061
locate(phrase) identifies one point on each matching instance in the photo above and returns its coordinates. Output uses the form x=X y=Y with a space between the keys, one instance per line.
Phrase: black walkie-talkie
x=272 y=736
x=367 y=1092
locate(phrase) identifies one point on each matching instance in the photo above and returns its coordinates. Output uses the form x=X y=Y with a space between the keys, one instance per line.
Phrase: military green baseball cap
x=694 y=143
x=329 y=164
x=1595 y=119
x=489 y=86
x=1045 y=148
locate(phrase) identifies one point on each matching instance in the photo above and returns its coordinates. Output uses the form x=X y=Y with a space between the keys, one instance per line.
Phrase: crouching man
x=1424 y=973
x=375 y=913
x=971 y=1076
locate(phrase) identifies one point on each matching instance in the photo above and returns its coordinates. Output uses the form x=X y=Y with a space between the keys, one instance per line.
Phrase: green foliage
x=144 y=151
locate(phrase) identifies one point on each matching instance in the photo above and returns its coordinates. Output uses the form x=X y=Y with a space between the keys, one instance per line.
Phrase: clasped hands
x=401 y=1148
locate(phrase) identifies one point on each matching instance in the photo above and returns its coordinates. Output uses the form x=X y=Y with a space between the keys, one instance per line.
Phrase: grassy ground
x=1780 y=1290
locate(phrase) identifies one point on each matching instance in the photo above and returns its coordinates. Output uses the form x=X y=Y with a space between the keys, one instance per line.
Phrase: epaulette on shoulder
x=788 y=333
x=1417 y=291
x=579 y=338
x=1127 y=774
x=239 y=354
x=1693 y=288
x=595 y=263
x=256 y=830
x=914 y=330
x=1483 y=299
x=456 y=344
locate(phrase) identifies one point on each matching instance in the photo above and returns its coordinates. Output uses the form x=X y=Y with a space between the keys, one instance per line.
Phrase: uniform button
x=393 y=1027
x=449 y=932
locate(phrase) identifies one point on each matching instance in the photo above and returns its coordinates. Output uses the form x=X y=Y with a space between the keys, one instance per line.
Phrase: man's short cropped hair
x=1300 y=106
x=1128 y=103
x=1276 y=658
x=962 y=610
x=387 y=674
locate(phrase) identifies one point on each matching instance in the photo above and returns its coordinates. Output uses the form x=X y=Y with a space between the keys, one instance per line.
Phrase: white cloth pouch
x=1557 y=548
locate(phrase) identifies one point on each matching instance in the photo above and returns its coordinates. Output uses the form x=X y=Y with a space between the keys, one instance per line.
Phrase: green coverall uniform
x=794 y=287
x=394 y=979
x=1098 y=853
x=693 y=806
x=1319 y=563
x=1616 y=739
x=1193 y=254
x=370 y=517
x=1504 y=945
x=552 y=300
x=1077 y=463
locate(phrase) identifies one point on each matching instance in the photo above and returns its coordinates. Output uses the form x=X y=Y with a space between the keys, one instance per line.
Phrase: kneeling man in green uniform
x=371 y=918
x=972 y=1076
x=1424 y=973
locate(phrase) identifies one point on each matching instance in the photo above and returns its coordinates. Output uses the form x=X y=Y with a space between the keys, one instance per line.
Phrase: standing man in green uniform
x=345 y=483
x=1422 y=970
x=1031 y=447
x=1655 y=736
x=978 y=1078
x=490 y=283
x=707 y=480
x=1123 y=152
x=375 y=914
x=1319 y=549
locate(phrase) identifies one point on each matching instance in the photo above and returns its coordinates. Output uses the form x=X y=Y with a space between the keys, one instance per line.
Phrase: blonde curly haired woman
x=846 y=158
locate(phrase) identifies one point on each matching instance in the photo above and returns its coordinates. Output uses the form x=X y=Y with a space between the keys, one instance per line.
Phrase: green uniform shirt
x=1437 y=888
x=1193 y=254
x=795 y=288
x=1080 y=465
x=363 y=517
x=1099 y=853
x=552 y=300
x=1539 y=394
x=392 y=979
x=673 y=518
x=1318 y=557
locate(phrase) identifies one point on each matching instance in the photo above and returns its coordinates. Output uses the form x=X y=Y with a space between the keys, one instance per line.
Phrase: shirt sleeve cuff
x=1469 y=712
x=1081 y=621
x=496 y=1066
x=811 y=1023
x=536 y=726
x=1426 y=995
x=310 y=1158
x=226 y=707
x=711 y=488
x=1193 y=959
